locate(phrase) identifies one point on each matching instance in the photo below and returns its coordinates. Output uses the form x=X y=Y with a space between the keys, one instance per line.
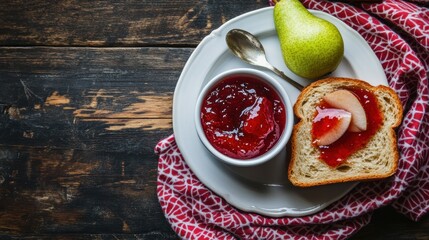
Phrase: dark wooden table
x=85 y=94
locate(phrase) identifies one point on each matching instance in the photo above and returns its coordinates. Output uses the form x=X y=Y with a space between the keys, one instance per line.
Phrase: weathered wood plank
x=113 y=99
x=77 y=132
x=387 y=224
x=146 y=69
x=115 y=23
x=70 y=191
x=67 y=236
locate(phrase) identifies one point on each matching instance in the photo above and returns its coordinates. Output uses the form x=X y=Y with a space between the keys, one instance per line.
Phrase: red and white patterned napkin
x=398 y=33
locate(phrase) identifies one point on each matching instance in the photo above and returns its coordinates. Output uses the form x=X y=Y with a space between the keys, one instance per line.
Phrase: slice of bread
x=378 y=159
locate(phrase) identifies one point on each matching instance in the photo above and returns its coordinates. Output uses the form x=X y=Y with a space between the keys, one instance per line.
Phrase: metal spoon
x=247 y=47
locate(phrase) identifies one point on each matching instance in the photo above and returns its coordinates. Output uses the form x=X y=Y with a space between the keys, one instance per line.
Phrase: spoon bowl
x=248 y=48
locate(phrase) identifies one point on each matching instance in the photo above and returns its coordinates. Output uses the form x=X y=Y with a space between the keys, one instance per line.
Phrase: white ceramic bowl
x=287 y=131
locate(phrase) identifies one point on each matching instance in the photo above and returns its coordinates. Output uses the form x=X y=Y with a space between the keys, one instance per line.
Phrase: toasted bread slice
x=378 y=159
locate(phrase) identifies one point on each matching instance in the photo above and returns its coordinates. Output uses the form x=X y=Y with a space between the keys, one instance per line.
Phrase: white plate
x=264 y=190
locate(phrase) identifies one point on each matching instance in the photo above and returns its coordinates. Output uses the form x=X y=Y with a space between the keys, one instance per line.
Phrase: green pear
x=311 y=46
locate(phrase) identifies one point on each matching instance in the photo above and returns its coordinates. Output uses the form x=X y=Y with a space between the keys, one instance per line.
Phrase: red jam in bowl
x=337 y=153
x=242 y=117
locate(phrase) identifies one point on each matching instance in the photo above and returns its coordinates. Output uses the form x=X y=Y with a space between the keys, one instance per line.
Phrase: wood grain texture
x=87 y=98
x=70 y=191
x=77 y=132
x=108 y=23
x=100 y=236
x=387 y=224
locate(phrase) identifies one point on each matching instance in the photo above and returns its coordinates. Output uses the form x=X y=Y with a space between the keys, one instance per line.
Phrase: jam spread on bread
x=242 y=117
x=337 y=152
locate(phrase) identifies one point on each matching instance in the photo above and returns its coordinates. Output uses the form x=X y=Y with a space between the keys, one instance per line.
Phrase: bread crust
x=335 y=83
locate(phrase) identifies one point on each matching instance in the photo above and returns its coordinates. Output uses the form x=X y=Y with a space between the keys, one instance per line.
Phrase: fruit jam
x=243 y=117
x=337 y=153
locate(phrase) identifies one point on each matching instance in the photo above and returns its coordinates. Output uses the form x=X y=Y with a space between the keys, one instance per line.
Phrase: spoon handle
x=282 y=75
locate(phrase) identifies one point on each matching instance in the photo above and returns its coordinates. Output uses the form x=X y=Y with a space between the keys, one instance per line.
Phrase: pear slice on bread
x=377 y=159
x=336 y=130
x=344 y=99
